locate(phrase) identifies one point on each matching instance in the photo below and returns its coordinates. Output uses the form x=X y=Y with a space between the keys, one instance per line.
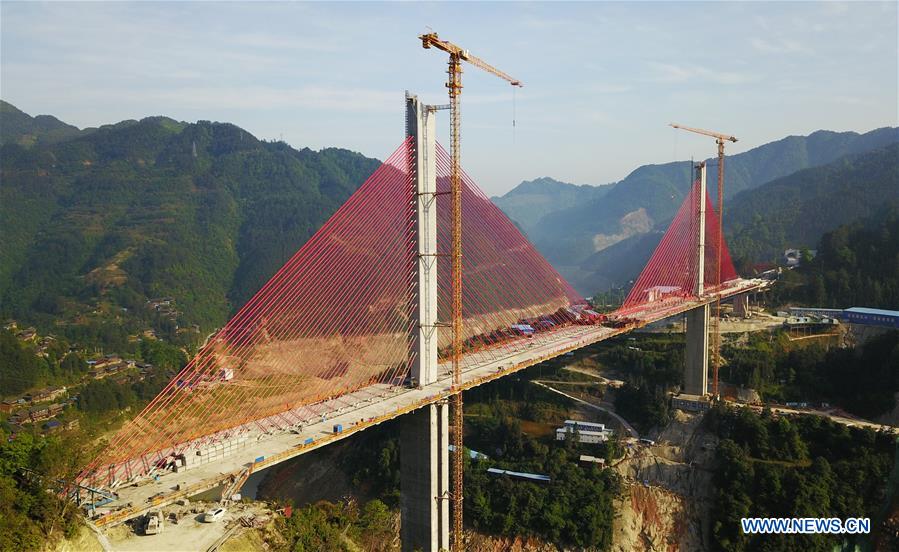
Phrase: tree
x=19 y=367
x=72 y=365
x=30 y=517
x=845 y=477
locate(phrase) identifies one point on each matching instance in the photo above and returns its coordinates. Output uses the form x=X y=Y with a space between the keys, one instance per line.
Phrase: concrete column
x=424 y=479
x=443 y=477
x=424 y=434
x=741 y=306
x=696 y=375
x=420 y=126
x=700 y=238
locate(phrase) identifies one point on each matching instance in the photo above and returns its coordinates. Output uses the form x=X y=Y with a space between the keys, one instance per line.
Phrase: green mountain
x=795 y=211
x=659 y=189
x=789 y=212
x=99 y=222
x=528 y=202
x=597 y=242
x=23 y=129
x=855 y=265
x=202 y=214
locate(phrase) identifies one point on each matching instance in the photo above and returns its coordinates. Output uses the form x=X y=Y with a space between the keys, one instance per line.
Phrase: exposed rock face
x=669 y=491
x=652 y=518
x=633 y=223
x=476 y=542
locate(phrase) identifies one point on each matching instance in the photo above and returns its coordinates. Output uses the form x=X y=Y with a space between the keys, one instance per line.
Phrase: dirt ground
x=188 y=535
x=247 y=541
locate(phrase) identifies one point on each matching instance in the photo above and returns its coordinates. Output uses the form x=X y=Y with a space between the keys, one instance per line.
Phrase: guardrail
x=129 y=512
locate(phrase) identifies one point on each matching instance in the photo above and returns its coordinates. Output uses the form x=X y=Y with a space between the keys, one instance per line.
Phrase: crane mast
x=457 y=55
x=720 y=139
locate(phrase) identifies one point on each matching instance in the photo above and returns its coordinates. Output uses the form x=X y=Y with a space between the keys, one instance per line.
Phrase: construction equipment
x=153 y=523
x=457 y=55
x=720 y=139
x=230 y=490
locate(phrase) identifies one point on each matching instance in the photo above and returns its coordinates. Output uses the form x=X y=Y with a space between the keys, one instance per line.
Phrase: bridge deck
x=371 y=406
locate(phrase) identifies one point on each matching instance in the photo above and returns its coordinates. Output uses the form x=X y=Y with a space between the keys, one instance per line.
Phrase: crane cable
x=513 y=114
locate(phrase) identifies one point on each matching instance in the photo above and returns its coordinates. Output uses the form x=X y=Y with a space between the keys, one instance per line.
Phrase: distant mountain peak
x=568 y=227
x=542 y=185
x=6 y=107
x=528 y=202
x=18 y=127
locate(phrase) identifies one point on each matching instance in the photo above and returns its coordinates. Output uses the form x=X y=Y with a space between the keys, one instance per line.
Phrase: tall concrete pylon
x=420 y=125
x=696 y=374
x=424 y=434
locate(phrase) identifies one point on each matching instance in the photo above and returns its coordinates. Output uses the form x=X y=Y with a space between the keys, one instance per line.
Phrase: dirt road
x=628 y=427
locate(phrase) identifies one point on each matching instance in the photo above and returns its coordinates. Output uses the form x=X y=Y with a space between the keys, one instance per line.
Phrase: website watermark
x=806 y=526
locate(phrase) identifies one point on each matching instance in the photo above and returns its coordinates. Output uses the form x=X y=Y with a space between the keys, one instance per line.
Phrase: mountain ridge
x=23 y=129
x=646 y=199
x=112 y=217
x=100 y=223
x=531 y=199
x=810 y=202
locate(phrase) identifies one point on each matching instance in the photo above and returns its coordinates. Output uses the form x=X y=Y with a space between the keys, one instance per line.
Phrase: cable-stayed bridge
x=352 y=331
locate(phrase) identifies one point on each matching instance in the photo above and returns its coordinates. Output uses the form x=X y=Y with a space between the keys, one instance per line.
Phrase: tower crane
x=720 y=139
x=457 y=55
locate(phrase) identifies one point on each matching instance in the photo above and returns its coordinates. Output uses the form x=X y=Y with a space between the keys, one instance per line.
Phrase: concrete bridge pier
x=424 y=479
x=741 y=305
x=696 y=373
x=424 y=434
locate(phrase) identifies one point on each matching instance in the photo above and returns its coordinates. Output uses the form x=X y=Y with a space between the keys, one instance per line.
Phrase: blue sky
x=602 y=80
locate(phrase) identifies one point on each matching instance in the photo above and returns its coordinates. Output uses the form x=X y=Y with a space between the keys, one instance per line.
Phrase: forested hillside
x=805 y=467
x=23 y=129
x=605 y=240
x=529 y=201
x=195 y=217
x=856 y=265
x=793 y=211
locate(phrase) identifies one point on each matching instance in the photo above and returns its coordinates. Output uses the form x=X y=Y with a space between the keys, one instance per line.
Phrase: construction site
x=399 y=360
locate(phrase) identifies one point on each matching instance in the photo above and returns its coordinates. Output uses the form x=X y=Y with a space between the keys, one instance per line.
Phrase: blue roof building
x=519 y=475
x=872 y=317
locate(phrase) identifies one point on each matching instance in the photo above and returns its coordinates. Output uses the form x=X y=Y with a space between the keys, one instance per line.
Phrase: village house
x=46 y=394
x=28 y=334
x=44 y=412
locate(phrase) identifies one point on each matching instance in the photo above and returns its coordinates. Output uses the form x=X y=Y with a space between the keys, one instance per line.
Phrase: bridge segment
x=347 y=335
x=373 y=406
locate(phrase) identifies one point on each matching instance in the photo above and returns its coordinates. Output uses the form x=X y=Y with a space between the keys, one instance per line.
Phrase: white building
x=588 y=426
x=586 y=432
